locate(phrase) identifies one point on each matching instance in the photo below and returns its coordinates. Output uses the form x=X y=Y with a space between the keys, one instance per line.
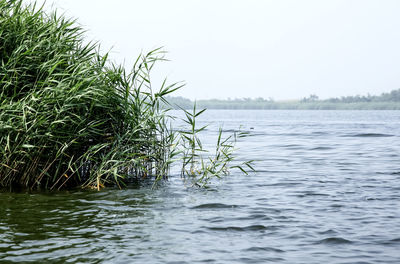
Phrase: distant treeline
x=385 y=101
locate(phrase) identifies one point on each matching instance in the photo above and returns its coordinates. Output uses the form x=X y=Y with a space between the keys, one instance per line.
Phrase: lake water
x=327 y=190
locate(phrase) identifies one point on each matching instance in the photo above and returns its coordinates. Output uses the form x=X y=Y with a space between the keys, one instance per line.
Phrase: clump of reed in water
x=69 y=117
x=197 y=163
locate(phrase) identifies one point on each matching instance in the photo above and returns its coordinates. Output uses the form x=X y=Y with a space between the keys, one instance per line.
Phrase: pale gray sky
x=254 y=48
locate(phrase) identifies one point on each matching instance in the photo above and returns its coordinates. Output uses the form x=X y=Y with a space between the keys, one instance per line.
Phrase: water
x=327 y=190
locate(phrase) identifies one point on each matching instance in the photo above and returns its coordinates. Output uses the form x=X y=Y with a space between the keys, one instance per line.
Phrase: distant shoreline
x=300 y=106
x=385 y=101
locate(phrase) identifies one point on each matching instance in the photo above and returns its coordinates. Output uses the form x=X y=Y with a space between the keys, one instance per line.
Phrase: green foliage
x=66 y=116
x=200 y=167
x=69 y=117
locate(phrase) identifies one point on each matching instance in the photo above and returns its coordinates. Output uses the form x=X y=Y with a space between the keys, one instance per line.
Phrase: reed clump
x=68 y=116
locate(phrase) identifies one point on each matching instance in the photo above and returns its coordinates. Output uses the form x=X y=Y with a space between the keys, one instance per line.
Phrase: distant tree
x=311 y=98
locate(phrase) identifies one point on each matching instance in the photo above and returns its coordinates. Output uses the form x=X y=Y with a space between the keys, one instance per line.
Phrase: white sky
x=254 y=48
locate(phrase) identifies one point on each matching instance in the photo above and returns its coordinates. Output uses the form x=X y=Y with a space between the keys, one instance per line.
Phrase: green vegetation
x=69 y=117
x=200 y=166
x=385 y=101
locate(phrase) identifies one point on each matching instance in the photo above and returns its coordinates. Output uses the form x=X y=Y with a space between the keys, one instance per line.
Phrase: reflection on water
x=327 y=190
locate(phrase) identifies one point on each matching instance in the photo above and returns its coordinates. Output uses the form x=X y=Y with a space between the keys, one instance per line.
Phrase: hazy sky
x=254 y=48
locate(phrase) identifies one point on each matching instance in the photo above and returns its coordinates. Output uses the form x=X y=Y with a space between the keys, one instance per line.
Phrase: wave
x=214 y=206
x=265 y=249
x=334 y=241
x=394 y=241
x=369 y=135
x=245 y=228
x=321 y=148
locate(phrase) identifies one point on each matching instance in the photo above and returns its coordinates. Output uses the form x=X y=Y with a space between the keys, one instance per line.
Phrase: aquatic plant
x=69 y=117
x=203 y=166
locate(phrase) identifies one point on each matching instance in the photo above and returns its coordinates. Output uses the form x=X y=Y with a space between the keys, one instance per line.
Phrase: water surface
x=327 y=190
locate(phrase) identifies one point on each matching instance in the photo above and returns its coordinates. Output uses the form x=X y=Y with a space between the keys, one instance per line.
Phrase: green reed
x=204 y=166
x=69 y=117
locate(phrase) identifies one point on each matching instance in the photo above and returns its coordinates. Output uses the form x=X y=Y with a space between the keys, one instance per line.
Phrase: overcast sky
x=254 y=48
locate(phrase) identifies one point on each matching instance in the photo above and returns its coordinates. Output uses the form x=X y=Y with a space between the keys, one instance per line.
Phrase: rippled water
x=327 y=190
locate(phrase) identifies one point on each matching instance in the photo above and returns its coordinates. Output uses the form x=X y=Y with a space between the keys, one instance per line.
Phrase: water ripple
x=243 y=229
x=334 y=241
x=214 y=206
x=326 y=180
x=369 y=135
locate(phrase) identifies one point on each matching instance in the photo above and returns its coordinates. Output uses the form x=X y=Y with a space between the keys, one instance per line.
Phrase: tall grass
x=68 y=116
